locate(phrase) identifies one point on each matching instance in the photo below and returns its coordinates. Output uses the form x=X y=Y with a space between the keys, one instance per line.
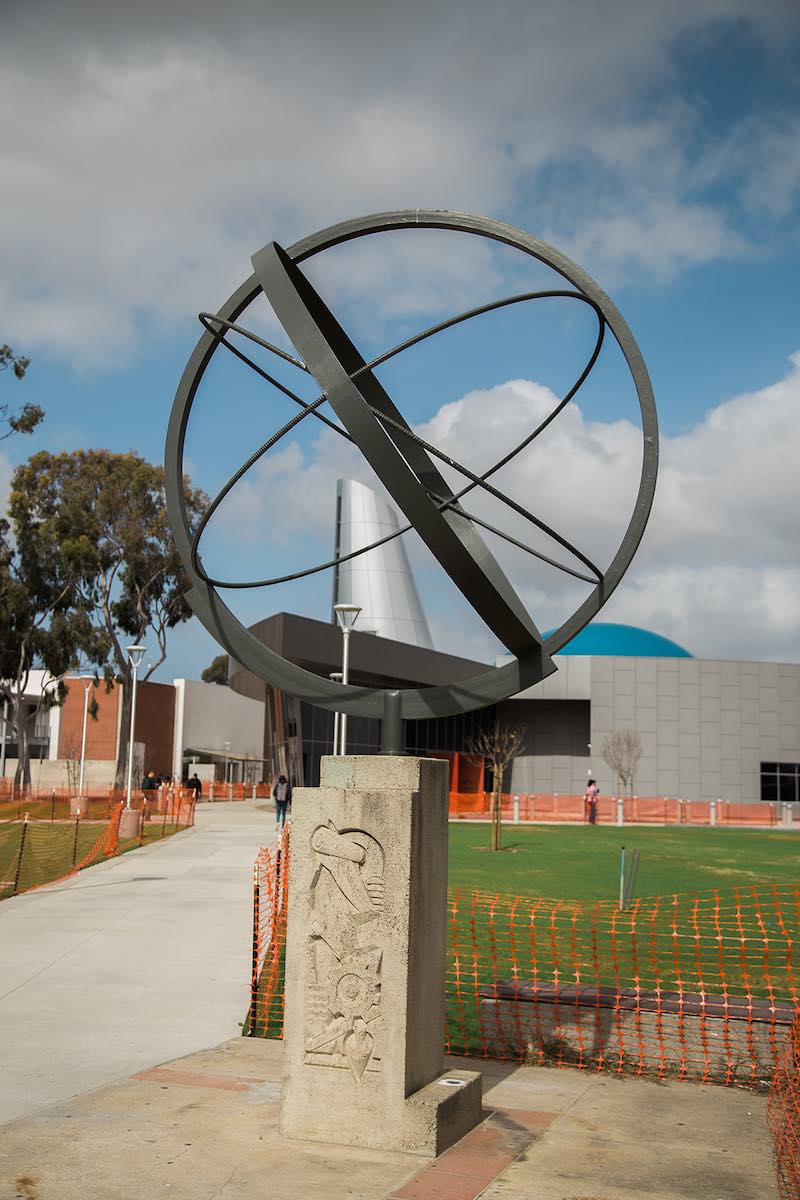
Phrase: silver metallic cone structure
x=380 y=582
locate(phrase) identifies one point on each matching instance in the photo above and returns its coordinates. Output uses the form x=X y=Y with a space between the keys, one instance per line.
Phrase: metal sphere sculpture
x=407 y=466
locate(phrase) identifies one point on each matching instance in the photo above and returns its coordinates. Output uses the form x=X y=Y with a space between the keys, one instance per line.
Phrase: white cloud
x=150 y=151
x=718 y=566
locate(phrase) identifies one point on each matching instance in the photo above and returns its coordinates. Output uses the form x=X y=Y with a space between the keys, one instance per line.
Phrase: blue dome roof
x=623 y=641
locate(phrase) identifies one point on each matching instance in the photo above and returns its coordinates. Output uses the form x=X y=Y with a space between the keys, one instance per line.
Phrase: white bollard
x=620 y=811
x=712 y=808
x=787 y=816
x=516 y=810
x=211 y=791
x=230 y=791
x=254 y=790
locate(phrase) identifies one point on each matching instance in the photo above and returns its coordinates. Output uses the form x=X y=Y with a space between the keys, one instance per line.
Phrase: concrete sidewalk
x=205 y=1128
x=140 y=959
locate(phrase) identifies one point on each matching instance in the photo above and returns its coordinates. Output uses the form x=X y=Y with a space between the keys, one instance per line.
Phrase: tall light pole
x=135 y=656
x=346 y=615
x=336 y=676
x=87 y=681
x=227 y=746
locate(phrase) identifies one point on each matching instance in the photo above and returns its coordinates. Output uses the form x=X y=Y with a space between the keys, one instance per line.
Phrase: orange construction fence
x=270 y=887
x=63 y=804
x=783 y=1116
x=691 y=986
x=612 y=810
x=33 y=853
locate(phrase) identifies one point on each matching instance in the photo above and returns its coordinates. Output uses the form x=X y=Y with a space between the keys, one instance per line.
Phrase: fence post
x=516 y=810
x=52 y=808
x=75 y=839
x=251 y=1023
x=22 y=840
x=712 y=811
x=620 y=811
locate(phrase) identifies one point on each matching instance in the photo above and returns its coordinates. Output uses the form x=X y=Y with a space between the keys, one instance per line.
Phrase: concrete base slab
x=207 y=1126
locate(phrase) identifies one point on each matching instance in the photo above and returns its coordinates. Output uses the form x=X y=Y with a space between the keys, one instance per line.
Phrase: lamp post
x=135 y=656
x=336 y=676
x=227 y=746
x=346 y=615
x=87 y=681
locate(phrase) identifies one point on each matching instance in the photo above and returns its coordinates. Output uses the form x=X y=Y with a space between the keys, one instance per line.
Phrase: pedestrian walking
x=591 y=801
x=282 y=795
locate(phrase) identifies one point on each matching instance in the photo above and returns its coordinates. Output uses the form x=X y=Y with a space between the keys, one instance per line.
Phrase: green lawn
x=582 y=862
x=707 y=919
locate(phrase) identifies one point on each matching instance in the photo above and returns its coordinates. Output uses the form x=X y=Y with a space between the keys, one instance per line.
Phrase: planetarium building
x=708 y=729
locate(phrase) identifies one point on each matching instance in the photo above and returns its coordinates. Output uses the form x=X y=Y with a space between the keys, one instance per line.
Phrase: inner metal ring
x=496 y=683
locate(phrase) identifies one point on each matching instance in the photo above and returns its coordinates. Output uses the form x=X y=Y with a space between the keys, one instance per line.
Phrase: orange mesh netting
x=270 y=887
x=783 y=1116
x=701 y=986
x=33 y=853
x=638 y=810
x=39 y=850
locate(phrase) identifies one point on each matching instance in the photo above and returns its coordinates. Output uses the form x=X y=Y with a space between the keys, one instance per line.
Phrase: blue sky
x=150 y=155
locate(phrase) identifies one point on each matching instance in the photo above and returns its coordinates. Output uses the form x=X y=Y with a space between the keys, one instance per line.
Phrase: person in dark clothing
x=282 y=795
x=195 y=785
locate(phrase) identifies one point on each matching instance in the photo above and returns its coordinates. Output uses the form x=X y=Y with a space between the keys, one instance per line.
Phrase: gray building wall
x=706 y=726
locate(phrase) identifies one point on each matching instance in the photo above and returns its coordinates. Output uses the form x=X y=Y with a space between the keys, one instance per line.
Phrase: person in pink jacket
x=591 y=801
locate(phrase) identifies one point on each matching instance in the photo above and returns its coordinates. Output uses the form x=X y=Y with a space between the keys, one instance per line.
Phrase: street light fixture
x=135 y=656
x=346 y=615
x=336 y=676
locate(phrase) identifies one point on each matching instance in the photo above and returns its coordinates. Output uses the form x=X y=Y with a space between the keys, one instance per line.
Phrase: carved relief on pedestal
x=345 y=949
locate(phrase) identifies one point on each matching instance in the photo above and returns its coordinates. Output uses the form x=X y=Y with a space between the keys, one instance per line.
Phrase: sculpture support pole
x=392 y=739
x=365 y=961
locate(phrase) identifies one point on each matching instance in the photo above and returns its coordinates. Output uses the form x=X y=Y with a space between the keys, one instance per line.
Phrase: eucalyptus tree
x=43 y=624
x=28 y=417
x=108 y=514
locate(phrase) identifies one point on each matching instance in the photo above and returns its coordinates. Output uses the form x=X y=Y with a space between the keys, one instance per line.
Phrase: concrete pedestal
x=365 y=961
x=129 y=823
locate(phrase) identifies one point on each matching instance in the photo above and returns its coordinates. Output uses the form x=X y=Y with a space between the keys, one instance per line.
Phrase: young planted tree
x=622 y=751
x=498 y=747
x=108 y=513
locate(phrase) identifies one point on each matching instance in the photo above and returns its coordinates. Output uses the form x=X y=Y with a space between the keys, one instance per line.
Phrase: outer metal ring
x=496 y=683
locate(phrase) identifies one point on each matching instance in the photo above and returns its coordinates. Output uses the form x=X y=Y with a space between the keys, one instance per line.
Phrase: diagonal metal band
x=404 y=467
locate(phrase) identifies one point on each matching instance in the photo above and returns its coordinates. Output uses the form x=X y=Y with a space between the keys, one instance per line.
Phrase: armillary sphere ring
x=404 y=463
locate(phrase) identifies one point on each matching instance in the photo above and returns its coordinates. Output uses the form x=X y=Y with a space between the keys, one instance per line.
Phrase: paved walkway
x=205 y=1128
x=138 y=960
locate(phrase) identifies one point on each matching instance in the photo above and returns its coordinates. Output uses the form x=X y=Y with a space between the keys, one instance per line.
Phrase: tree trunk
x=121 y=775
x=22 y=777
x=496 y=814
